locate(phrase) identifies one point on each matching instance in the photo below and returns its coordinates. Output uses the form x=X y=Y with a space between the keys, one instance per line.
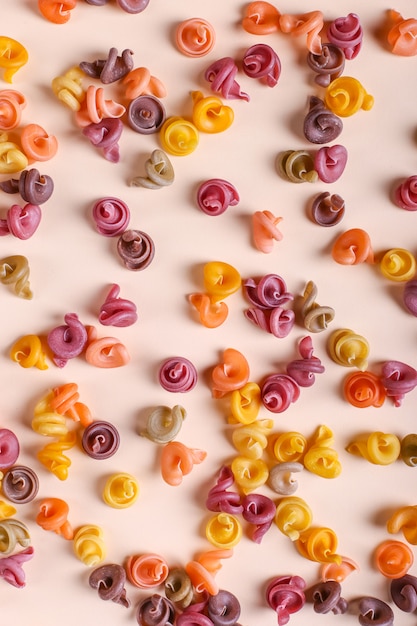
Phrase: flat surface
x=72 y=267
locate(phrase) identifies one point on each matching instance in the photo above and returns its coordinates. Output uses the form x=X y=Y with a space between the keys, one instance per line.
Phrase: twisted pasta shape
x=29 y=352
x=53 y=458
x=377 y=447
x=14 y=271
x=404 y=519
x=69 y=90
x=88 y=543
x=293 y=516
x=224 y=530
x=316 y=318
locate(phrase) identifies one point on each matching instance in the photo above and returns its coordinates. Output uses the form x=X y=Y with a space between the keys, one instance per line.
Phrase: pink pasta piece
x=330 y=162
x=398 y=379
x=116 y=311
x=221 y=76
x=303 y=370
x=219 y=499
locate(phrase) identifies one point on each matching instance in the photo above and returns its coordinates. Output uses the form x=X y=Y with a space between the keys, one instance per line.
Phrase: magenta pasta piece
x=9 y=448
x=68 y=340
x=219 y=499
x=105 y=135
x=111 y=69
x=178 y=375
x=111 y=216
x=136 y=249
x=320 y=124
x=11 y=569
x=100 y=440
x=347 y=34
x=405 y=194
x=215 y=195
x=221 y=76
x=278 y=392
x=267 y=292
x=330 y=162
x=398 y=379
x=262 y=62
x=146 y=114
x=285 y=595
x=260 y=511
x=410 y=296
x=303 y=370
x=116 y=311
x=21 y=222
x=277 y=321
x=328 y=65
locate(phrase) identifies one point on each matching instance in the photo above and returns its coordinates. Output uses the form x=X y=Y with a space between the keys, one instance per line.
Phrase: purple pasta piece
x=100 y=440
x=326 y=597
x=404 y=593
x=328 y=65
x=97 y=3
x=320 y=124
x=223 y=608
x=34 y=187
x=260 y=511
x=136 y=249
x=285 y=595
x=67 y=341
x=146 y=114
x=155 y=611
x=9 y=448
x=20 y=484
x=111 y=69
x=327 y=209
x=193 y=618
x=375 y=612
x=109 y=580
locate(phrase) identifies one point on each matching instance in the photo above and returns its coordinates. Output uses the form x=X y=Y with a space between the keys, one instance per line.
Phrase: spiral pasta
x=377 y=447
x=293 y=516
x=88 y=543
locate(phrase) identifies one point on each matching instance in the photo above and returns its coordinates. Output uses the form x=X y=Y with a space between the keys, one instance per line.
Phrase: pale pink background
x=72 y=267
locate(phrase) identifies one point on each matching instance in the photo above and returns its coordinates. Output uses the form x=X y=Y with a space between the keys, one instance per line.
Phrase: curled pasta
x=261 y=18
x=177 y=460
x=409 y=449
x=251 y=440
x=219 y=498
x=353 y=247
x=121 y=490
x=378 y=448
x=316 y=318
x=211 y=314
x=398 y=265
x=146 y=570
x=178 y=136
x=297 y=166
x=281 y=480
x=224 y=530
x=29 y=352
x=404 y=519
x=245 y=404
x=319 y=543
x=393 y=558
x=220 y=280
x=308 y=24
x=293 y=516
x=53 y=458
x=178 y=587
x=364 y=389
x=349 y=349
x=164 y=423
x=230 y=374
x=53 y=514
x=210 y=115
x=289 y=447
x=89 y=546
x=14 y=271
x=13 y=533
x=69 y=90
x=265 y=230
x=250 y=474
